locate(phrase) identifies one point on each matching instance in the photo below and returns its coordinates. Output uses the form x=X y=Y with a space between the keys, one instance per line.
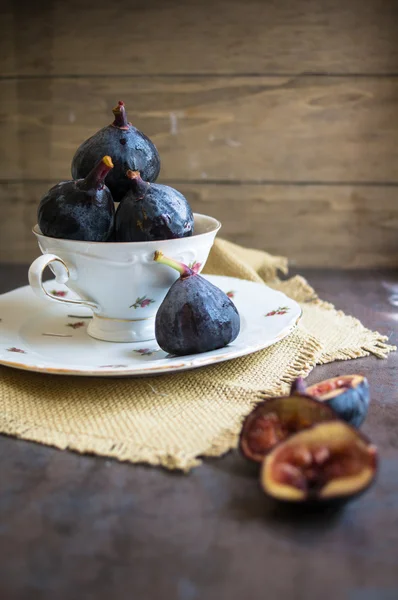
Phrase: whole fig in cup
x=151 y=211
x=129 y=148
x=81 y=209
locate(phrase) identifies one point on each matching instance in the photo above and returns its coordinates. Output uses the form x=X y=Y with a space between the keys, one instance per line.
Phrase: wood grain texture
x=254 y=128
x=184 y=36
x=221 y=89
x=312 y=225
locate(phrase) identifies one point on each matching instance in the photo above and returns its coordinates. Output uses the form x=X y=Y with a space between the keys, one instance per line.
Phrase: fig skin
x=79 y=210
x=330 y=479
x=151 y=211
x=293 y=412
x=129 y=149
x=350 y=400
x=195 y=316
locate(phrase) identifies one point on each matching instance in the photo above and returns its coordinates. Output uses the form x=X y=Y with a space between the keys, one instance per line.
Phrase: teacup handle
x=36 y=280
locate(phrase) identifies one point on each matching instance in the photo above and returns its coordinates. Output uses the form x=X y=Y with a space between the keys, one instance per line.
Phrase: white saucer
x=38 y=335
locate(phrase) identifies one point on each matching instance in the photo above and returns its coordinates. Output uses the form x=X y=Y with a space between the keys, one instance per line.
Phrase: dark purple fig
x=195 y=316
x=129 y=149
x=348 y=395
x=150 y=211
x=276 y=419
x=329 y=462
x=81 y=209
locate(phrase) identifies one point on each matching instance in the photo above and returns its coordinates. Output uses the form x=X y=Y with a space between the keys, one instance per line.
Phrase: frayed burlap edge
x=226 y=440
x=91 y=444
x=228 y=258
x=301 y=367
x=368 y=342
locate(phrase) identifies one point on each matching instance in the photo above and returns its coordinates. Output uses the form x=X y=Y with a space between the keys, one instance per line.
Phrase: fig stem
x=183 y=270
x=95 y=179
x=134 y=175
x=139 y=186
x=120 y=116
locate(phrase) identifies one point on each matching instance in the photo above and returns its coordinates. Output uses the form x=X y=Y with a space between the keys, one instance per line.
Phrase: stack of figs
x=119 y=164
x=307 y=443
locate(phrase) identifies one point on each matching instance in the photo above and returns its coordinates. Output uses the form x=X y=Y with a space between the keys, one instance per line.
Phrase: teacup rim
x=217 y=226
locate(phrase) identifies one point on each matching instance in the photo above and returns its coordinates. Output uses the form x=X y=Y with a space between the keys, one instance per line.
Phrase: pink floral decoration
x=281 y=310
x=76 y=325
x=146 y=351
x=142 y=302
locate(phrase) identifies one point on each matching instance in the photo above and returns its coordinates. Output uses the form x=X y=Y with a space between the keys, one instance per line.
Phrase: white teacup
x=119 y=281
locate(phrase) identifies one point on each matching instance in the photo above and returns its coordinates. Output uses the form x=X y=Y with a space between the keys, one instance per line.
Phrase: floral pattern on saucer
x=45 y=337
x=76 y=325
x=146 y=351
x=281 y=310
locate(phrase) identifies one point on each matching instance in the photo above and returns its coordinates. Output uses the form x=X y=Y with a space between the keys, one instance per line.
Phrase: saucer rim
x=197 y=361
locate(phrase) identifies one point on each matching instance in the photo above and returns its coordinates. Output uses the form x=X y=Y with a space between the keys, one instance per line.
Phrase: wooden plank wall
x=279 y=117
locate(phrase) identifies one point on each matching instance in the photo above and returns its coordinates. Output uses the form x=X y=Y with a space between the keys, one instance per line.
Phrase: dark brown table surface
x=79 y=527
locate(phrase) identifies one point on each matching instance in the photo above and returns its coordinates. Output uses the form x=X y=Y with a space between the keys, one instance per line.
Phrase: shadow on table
x=247 y=502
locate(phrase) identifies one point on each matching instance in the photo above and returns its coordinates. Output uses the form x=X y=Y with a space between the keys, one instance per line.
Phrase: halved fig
x=330 y=461
x=347 y=395
x=275 y=419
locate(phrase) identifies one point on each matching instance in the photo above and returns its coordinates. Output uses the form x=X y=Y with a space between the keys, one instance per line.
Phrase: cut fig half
x=330 y=461
x=347 y=395
x=276 y=419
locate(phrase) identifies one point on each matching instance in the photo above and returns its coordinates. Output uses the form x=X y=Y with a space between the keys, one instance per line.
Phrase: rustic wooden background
x=279 y=117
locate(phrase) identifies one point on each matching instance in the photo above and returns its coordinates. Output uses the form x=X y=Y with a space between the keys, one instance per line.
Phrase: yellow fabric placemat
x=172 y=420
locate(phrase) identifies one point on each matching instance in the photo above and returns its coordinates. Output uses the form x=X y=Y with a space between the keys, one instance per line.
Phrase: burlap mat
x=172 y=420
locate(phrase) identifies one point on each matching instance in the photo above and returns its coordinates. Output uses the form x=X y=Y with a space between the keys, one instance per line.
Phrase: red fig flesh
x=276 y=419
x=330 y=461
